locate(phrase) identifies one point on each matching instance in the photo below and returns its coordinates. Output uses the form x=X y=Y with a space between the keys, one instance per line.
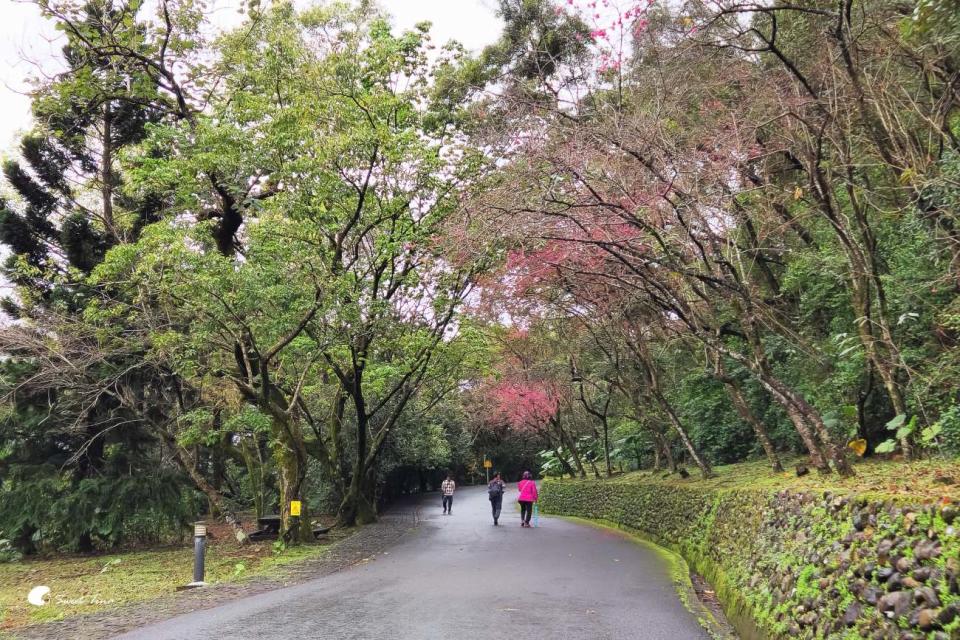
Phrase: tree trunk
x=662 y=444
x=760 y=367
x=106 y=171
x=596 y=471
x=606 y=446
x=746 y=413
x=566 y=468
x=357 y=506
x=699 y=460
x=216 y=499
x=862 y=275
x=837 y=452
x=760 y=429
x=654 y=382
x=881 y=362
x=567 y=442
x=600 y=415
x=255 y=476
x=803 y=414
x=290 y=459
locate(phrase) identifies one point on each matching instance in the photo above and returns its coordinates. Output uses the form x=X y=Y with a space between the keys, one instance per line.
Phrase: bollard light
x=199 y=552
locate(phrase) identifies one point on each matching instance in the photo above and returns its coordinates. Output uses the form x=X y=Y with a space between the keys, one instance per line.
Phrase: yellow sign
x=487 y=464
x=859 y=447
x=294 y=507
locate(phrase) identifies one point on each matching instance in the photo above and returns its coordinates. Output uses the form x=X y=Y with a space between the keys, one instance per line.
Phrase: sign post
x=487 y=465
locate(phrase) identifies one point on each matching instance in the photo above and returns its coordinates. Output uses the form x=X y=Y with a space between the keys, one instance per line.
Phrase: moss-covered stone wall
x=796 y=564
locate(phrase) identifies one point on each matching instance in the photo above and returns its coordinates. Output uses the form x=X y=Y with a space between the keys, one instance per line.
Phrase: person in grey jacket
x=495 y=491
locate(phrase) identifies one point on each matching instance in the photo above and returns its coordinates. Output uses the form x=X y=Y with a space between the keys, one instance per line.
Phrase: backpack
x=495 y=489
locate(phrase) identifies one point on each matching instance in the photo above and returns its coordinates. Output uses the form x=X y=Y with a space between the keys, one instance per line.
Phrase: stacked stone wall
x=796 y=565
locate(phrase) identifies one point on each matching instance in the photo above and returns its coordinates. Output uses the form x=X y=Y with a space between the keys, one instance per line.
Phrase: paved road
x=458 y=577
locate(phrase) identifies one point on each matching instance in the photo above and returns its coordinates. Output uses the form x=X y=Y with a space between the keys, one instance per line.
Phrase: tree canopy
x=317 y=259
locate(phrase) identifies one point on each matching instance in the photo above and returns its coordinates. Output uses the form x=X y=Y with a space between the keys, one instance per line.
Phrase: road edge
x=678 y=570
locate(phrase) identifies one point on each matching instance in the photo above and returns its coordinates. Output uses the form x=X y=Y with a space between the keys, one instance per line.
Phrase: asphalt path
x=458 y=576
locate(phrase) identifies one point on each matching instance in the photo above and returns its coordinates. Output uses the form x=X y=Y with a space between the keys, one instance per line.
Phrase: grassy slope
x=917 y=481
x=84 y=584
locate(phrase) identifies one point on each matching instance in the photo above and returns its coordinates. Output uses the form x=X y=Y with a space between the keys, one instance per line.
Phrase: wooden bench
x=270 y=529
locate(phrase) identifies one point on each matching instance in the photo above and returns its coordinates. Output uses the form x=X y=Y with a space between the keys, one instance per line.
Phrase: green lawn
x=924 y=480
x=84 y=584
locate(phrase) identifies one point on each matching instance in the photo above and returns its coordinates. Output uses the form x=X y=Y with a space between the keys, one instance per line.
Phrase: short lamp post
x=199 y=553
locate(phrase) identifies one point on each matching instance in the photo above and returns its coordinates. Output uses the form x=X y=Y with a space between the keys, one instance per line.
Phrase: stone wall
x=796 y=565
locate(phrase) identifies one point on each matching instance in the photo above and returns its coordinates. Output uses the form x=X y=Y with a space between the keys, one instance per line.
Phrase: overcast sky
x=28 y=44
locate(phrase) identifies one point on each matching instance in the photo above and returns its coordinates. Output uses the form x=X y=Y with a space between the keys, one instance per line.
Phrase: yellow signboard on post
x=294 y=507
x=487 y=464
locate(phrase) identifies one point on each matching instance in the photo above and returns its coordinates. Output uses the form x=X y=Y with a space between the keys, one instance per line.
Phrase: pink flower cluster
x=525 y=405
x=612 y=27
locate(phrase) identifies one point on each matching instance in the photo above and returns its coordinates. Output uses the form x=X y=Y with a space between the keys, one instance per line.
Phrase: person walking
x=495 y=491
x=447 y=487
x=528 y=495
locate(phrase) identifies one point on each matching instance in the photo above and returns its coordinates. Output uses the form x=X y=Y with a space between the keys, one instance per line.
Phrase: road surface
x=457 y=577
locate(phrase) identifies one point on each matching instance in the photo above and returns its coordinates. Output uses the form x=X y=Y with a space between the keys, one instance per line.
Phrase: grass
x=921 y=481
x=85 y=584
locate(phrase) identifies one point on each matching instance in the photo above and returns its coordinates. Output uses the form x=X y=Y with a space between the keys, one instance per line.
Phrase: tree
x=69 y=208
x=341 y=277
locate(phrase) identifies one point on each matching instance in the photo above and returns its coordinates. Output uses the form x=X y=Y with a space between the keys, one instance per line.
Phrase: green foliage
x=8 y=553
x=936 y=20
x=550 y=465
x=718 y=431
x=49 y=512
x=945 y=432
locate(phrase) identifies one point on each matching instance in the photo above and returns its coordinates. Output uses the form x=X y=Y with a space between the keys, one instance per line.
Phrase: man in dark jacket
x=495 y=491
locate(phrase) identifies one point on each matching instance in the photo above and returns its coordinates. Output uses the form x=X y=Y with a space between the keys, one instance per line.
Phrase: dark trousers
x=526 y=511
x=448 y=503
x=495 y=505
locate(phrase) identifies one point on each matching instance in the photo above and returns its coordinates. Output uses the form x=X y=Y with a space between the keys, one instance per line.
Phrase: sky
x=29 y=46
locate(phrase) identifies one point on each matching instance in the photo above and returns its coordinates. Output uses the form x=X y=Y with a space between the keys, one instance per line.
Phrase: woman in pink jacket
x=528 y=495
